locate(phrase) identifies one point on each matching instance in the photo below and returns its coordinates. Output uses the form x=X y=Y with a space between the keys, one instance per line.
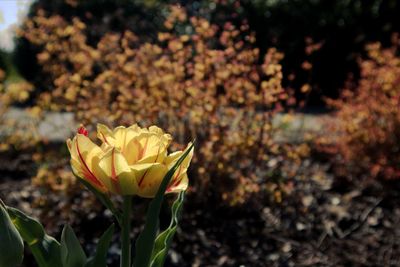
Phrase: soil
x=322 y=222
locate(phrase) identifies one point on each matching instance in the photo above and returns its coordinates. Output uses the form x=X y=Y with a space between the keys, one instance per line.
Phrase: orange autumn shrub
x=369 y=117
x=203 y=82
x=15 y=132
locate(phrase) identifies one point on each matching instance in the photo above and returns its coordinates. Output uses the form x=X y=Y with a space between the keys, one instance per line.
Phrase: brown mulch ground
x=320 y=223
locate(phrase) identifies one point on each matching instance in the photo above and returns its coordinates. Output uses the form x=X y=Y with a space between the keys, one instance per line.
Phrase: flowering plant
x=366 y=140
x=197 y=78
x=130 y=161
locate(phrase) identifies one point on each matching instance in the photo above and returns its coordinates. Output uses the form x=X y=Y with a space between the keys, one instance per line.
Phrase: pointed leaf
x=72 y=254
x=146 y=240
x=164 y=240
x=100 y=257
x=11 y=243
x=45 y=249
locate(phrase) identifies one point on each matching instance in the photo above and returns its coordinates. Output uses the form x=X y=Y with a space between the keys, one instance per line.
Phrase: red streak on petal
x=88 y=174
x=105 y=139
x=138 y=147
x=143 y=150
x=142 y=178
x=175 y=182
x=158 y=153
x=114 y=176
x=177 y=174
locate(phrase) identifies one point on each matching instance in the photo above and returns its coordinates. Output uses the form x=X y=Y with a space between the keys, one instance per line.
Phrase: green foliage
x=163 y=241
x=100 y=257
x=72 y=254
x=45 y=249
x=11 y=243
x=146 y=240
x=16 y=227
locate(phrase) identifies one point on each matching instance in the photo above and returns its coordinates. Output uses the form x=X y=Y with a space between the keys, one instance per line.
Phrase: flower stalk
x=125 y=232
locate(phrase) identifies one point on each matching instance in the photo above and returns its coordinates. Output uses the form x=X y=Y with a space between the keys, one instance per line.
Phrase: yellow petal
x=153 y=153
x=174 y=157
x=134 y=127
x=178 y=184
x=119 y=132
x=105 y=134
x=83 y=155
x=132 y=151
x=179 y=180
x=77 y=168
x=149 y=177
x=114 y=171
x=156 y=129
x=123 y=137
x=145 y=148
x=119 y=135
x=165 y=138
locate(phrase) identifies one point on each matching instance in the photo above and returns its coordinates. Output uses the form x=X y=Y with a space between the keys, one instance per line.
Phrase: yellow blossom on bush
x=130 y=161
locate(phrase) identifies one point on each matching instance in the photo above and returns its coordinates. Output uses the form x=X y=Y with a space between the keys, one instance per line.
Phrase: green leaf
x=45 y=249
x=104 y=199
x=146 y=240
x=164 y=240
x=100 y=257
x=11 y=243
x=72 y=254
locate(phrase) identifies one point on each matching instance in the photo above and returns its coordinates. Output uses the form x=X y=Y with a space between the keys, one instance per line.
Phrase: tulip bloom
x=130 y=161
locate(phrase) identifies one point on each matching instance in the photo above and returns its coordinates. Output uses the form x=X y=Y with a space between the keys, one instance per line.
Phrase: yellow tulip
x=130 y=161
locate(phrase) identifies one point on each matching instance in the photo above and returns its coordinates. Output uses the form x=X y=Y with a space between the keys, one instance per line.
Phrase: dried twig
x=363 y=218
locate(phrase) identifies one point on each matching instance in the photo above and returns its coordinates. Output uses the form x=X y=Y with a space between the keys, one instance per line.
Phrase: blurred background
x=294 y=106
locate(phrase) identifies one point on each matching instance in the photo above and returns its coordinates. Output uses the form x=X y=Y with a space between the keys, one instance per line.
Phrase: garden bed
x=320 y=223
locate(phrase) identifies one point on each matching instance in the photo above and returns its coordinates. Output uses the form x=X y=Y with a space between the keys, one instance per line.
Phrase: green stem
x=125 y=232
x=37 y=254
